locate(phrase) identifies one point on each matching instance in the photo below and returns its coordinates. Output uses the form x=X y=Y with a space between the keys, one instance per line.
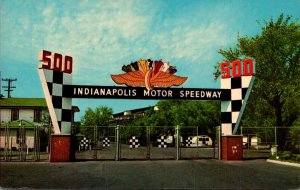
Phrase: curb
x=283 y=163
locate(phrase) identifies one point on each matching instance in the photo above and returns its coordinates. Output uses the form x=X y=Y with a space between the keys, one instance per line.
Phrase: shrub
x=285 y=155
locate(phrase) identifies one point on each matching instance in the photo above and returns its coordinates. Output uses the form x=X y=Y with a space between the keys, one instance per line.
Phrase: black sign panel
x=116 y=92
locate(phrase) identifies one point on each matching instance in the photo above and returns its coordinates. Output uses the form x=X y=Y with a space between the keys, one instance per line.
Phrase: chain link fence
x=24 y=143
x=261 y=142
x=145 y=143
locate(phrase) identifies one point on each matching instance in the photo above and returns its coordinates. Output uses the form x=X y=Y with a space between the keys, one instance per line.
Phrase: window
x=37 y=116
x=14 y=114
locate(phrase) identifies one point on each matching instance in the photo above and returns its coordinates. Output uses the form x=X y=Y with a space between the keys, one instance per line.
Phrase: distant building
x=33 y=110
x=30 y=112
x=127 y=116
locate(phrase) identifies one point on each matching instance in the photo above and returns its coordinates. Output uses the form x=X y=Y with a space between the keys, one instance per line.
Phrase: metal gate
x=146 y=143
x=26 y=142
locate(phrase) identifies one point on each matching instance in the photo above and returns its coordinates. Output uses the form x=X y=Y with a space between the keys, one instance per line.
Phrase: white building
x=31 y=111
x=28 y=109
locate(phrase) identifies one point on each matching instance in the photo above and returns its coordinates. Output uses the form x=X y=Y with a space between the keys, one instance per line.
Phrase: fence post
x=35 y=144
x=36 y=149
x=219 y=143
x=275 y=135
x=39 y=143
x=7 y=135
x=215 y=143
x=148 y=142
x=10 y=152
x=95 y=142
x=117 y=143
x=22 y=143
x=197 y=141
x=276 y=142
x=177 y=143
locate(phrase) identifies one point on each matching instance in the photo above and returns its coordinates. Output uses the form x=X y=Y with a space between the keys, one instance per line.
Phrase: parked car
x=254 y=142
x=200 y=141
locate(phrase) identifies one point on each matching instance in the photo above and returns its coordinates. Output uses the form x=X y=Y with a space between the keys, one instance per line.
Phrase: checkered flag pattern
x=134 y=142
x=84 y=143
x=60 y=107
x=230 y=110
x=106 y=142
x=162 y=142
x=188 y=142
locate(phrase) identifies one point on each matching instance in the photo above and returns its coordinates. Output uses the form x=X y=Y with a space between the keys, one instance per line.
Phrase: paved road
x=183 y=174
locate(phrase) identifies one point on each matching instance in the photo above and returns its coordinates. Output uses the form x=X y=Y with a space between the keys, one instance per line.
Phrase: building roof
x=27 y=102
x=133 y=111
x=23 y=102
x=16 y=124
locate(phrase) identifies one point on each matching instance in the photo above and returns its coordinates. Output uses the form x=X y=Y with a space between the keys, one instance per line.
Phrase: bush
x=295 y=158
x=288 y=156
x=285 y=155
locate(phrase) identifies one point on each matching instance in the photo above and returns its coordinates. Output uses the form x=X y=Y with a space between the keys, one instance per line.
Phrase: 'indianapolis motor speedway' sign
x=83 y=91
x=144 y=79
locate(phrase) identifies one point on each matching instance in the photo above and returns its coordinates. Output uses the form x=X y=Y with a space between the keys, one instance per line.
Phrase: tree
x=100 y=116
x=276 y=91
x=204 y=114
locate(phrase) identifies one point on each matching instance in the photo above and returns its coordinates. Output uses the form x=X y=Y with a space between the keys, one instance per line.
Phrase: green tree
x=276 y=51
x=205 y=114
x=202 y=114
x=100 y=116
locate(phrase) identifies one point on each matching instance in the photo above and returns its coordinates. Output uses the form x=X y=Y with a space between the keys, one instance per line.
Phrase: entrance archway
x=56 y=78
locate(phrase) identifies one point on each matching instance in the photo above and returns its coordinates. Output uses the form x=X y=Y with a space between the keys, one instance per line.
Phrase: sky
x=103 y=35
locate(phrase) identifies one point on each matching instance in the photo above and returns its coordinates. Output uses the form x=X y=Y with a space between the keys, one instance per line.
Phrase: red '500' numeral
x=237 y=69
x=56 y=61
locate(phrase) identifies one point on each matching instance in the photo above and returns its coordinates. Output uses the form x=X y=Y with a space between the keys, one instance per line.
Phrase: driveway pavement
x=182 y=174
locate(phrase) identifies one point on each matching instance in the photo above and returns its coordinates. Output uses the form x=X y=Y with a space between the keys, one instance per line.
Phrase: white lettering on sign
x=116 y=92
x=158 y=93
x=200 y=94
x=104 y=92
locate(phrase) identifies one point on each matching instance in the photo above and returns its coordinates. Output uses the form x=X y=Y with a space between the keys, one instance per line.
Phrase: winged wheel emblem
x=150 y=74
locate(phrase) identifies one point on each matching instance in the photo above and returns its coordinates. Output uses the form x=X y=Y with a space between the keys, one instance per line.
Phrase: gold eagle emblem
x=150 y=74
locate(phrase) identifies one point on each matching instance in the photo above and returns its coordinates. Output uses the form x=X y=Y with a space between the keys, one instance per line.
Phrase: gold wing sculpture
x=149 y=73
x=163 y=79
x=133 y=78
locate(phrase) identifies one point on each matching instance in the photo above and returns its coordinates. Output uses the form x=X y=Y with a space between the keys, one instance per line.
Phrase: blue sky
x=101 y=36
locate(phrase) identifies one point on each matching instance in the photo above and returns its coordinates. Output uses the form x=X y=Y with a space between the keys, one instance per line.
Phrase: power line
x=9 y=86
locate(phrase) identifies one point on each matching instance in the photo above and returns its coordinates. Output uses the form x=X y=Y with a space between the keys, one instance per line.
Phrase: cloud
x=48 y=11
x=192 y=43
x=102 y=36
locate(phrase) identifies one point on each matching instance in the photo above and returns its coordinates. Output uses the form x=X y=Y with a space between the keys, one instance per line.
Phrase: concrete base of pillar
x=232 y=147
x=60 y=148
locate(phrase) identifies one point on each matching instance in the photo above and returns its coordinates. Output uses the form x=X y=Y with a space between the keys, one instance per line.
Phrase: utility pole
x=9 y=86
x=1 y=96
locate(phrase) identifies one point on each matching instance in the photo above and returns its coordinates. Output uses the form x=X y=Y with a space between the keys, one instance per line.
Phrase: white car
x=199 y=141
